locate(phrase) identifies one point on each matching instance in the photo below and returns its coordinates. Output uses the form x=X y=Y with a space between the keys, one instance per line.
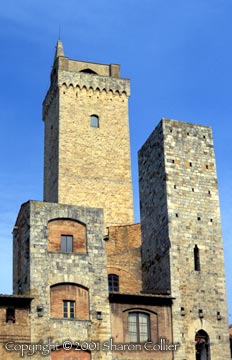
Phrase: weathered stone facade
x=181 y=228
x=86 y=165
x=45 y=269
x=82 y=271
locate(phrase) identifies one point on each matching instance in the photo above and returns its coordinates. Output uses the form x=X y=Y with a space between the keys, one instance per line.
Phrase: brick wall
x=69 y=292
x=160 y=326
x=70 y=355
x=59 y=227
x=124 y=256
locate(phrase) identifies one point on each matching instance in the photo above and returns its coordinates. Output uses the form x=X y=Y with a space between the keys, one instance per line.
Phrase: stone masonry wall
x=190 y=184
x=48 y=268
x=154 y=217
x=94 y=167
x=51 y=143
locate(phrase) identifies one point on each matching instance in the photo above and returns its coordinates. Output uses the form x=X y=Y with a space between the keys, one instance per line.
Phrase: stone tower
x=60 y=262
x=181 y=229
x=87 y=151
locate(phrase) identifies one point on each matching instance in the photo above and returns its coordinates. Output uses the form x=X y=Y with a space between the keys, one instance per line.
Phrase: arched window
x=113 y=282
x=69 y=301
x=66 y=236
x=94 y=121
x=202 y=345
x=197 y=266
x=139 y=327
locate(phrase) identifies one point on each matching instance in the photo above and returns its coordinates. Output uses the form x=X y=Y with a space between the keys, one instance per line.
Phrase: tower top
x=59 y=50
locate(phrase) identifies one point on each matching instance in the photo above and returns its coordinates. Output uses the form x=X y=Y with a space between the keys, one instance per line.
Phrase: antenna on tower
x=59 y=38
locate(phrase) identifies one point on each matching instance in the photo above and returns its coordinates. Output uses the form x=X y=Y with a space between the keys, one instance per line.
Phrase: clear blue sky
x=178 y=55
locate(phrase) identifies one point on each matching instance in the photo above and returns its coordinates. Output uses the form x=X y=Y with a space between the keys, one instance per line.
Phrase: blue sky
x=178 y=56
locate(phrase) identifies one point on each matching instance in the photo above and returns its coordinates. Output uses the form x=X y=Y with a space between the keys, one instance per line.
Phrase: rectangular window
x=197 y=266
x=139 y=327
x=67 y=243
x=113 y=282
x=69 y=309
x=94 y=121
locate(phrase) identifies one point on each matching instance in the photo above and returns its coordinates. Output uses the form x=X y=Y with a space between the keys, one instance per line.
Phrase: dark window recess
x=94 y=121
x=113 y=282
x=197 y=266
x=139 y=327
x=198 y=218
x=88 y=71
x=206 y=166
x=190 y=164
x=10 y=314
x=67 y=243
x=201 y=314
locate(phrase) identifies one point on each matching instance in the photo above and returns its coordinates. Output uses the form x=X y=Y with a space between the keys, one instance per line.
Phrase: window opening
x=10 y=314
x=67 y=243
x=202 y=344
x=139 y=327
x=113 y=282
x=69 y=309
x=94 y=121
x=197 y=266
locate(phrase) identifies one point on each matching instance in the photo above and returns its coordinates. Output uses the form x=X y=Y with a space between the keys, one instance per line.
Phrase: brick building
x=88 y=283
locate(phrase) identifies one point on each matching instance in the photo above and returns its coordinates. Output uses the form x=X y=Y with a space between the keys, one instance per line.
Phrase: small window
x=69 y=309
x=67 y=243
x=139 y=327
x=10 y=314
x=113 y=282
x=197 y=266
x=94 y=121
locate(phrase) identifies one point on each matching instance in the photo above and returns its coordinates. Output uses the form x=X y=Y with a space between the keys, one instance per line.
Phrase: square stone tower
x=87 y=150
x=182 y=251
x=67 y=282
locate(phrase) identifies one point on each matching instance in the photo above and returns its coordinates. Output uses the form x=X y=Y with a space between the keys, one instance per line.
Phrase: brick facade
x=14 y=323
x=59 y=227
x=69 y=292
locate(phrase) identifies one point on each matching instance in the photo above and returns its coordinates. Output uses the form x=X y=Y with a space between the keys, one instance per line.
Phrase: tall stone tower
x=182 y=244
x=87 y=151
